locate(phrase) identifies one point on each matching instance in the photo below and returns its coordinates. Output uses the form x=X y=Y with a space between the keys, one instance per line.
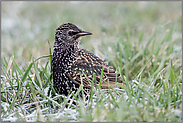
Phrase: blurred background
x=26 y=27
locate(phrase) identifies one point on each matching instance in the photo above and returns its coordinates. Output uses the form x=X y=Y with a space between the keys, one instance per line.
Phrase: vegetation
x=142 y=40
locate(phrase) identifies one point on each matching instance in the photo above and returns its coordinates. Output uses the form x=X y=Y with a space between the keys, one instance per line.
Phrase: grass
x=149 y=61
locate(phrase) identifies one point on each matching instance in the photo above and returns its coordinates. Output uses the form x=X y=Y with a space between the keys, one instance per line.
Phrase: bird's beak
x=83 y=33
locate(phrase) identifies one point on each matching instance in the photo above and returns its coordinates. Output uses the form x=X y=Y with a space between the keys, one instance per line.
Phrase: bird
x=73 y=66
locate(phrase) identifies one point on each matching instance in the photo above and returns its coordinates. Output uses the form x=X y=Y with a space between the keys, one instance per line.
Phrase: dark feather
x=89 y=64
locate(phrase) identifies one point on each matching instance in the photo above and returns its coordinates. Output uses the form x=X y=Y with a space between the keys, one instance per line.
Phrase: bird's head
x=69 y=34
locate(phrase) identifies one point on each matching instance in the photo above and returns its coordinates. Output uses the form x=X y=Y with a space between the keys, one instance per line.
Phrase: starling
x=69 y=62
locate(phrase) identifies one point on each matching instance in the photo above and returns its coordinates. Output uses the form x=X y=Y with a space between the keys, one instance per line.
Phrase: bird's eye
x=71 y=33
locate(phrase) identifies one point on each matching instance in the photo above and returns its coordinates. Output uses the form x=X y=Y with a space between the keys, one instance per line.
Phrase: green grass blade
x=26 y=72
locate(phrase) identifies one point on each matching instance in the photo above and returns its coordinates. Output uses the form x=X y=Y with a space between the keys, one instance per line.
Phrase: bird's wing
x=89 y=64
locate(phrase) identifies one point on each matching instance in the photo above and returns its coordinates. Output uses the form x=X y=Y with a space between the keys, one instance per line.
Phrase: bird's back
x=87 y=64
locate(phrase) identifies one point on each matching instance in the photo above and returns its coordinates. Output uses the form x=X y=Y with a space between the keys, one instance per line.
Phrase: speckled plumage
x=69 y=62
